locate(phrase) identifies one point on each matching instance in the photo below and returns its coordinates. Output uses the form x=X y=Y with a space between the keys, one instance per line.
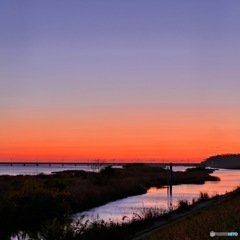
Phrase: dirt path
x=177 y=217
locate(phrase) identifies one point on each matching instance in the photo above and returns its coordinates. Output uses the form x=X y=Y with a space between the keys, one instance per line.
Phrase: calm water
x=46 y=169
x=159 y=196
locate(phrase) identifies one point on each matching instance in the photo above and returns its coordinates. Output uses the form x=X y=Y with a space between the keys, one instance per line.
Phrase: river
x=159 y=197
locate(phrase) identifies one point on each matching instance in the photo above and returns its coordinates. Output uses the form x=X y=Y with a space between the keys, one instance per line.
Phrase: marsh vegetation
x=27 y=202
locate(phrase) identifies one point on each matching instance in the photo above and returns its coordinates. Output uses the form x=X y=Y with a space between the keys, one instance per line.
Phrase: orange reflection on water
x=153 y=190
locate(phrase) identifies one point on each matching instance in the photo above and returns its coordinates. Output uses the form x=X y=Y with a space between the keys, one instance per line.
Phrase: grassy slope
x=223 y=217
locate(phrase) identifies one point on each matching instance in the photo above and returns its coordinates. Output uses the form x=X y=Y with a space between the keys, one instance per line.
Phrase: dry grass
x=223 y=217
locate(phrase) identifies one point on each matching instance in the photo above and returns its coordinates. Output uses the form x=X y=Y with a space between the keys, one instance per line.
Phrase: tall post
x=171 y=174
x=170 y=184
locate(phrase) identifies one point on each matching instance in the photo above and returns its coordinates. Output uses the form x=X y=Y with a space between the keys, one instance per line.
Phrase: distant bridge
x=46 y=163
x=34 y=163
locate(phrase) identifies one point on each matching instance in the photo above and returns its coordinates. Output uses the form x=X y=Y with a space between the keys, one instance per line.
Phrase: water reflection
x=169 y=197
x=162 y=197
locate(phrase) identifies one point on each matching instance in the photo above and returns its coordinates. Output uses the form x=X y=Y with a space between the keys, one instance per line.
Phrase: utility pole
x=170 y=186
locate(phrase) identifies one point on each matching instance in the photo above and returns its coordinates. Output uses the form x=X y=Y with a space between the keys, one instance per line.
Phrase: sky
x=124 y=80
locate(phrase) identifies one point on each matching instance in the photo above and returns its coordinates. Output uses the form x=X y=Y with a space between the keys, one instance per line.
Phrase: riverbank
x=146 y=223
x=219 y=214
x=27 y=201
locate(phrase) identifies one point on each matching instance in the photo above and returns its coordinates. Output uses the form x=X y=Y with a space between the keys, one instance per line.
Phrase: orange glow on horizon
x=130 y=136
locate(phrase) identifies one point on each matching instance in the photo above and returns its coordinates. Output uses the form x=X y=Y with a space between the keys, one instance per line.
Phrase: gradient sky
x=119 y=79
